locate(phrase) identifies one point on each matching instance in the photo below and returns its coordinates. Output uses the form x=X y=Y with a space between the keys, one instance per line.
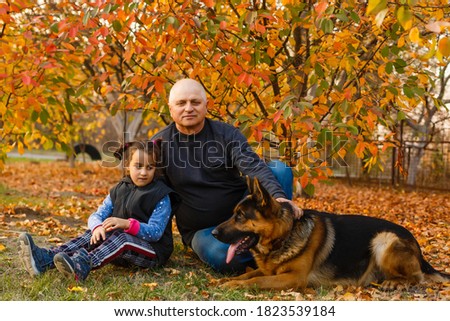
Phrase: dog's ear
x=249 y=184
x=259 y=193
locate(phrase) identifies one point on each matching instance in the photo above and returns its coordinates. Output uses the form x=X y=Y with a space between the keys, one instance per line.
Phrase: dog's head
x=257 y=220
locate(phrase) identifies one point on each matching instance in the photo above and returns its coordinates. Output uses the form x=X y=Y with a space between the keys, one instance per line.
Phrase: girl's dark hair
x=151 y=147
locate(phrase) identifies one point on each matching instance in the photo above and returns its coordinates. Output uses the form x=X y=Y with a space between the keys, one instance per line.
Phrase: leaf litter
x=54 y=201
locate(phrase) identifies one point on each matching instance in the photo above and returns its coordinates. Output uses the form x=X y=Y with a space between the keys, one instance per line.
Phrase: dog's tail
x=433 y=275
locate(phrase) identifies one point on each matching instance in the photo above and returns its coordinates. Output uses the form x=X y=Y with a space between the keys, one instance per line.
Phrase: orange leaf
x=321 y=7
x=216 y=57
x=260 y=28
x=271 y=52
x=249 y=80
x=359 y=150
x=51 y=48
x=444 y=46
x=67 y=46
x=277 y=116
x=348 y=93
x=242 y=77
x=209 y=3
x=304 y=180
x=159 y=86
x=26 y=79
x=73 y=32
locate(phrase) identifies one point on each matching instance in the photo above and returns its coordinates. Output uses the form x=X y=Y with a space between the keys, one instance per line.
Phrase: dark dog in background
x=319 y=248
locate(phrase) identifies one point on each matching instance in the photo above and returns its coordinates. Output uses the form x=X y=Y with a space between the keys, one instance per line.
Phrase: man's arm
x=249 y=163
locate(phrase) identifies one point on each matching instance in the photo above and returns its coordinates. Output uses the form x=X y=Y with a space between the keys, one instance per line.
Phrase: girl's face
x=142 y=168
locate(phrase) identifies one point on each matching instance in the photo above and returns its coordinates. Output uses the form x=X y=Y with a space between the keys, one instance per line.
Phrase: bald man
x=205 y=161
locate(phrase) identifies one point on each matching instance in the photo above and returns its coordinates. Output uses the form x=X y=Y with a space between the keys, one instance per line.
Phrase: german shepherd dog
x=319 y=248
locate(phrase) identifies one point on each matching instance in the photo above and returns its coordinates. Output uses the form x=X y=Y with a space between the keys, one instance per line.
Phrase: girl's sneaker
x=36 y=260
x=78 y=265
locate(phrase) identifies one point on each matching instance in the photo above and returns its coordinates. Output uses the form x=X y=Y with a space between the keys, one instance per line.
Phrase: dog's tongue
x=231 y=251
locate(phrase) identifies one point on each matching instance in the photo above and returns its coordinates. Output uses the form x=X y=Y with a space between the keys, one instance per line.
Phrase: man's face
x=187 y=107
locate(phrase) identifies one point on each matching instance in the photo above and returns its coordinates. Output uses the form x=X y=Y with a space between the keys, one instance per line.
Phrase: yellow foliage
x=414 y=35
x=375 y=6
x=250 y=60
x=76 y=289
x=444 y=46
x=405 y=17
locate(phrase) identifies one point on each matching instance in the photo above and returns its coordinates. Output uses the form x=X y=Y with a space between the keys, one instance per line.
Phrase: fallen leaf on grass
x=339 y=288
x=152 y=285
x=172 y=271
x=76 y=289
x=18 y=215
x=429 y=291
x=193 y=289
x=254 y=297
x=113 y=295
x=349 y=296
x=2 y=247
x=54 y=240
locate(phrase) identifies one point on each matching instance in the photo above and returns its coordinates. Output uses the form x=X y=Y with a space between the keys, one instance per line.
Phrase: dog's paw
x=229 y=284
x=391 y=285
x=214 y=282
x=218 y=282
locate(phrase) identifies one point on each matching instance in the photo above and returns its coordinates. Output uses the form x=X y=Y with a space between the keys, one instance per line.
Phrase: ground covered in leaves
x=52 y=202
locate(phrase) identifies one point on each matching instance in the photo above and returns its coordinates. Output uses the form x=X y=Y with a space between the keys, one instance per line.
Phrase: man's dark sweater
x=205 y=170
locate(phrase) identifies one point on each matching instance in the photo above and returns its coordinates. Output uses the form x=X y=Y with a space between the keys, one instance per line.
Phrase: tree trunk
x=414 y=162
x=134 y=124
x=71 y=156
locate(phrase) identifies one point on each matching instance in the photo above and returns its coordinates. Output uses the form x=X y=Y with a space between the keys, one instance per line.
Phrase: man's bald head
x=187 y=85
x=187 y=106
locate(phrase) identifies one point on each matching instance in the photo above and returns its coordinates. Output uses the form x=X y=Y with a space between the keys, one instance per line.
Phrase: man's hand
x=297 y=210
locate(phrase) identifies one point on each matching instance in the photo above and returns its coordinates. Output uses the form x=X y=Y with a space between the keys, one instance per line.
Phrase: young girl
x=131 y=227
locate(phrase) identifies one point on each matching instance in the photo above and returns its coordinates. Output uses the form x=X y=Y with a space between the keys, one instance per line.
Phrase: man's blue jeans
x=214 y=253
x=284 y=175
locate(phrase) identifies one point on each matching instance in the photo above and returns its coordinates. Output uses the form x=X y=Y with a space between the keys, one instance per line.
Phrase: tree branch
x=260 y=104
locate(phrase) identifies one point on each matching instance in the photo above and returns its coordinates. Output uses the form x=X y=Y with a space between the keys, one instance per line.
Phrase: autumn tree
x=42 y=87
x=324 y=76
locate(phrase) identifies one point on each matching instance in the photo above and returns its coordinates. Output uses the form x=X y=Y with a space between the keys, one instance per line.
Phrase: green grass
x=184 y=278
x=11 y=160
x=35 y=153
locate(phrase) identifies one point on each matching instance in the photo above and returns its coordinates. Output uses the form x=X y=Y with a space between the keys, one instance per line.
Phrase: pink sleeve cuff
x=96 y=227
x=134 y=228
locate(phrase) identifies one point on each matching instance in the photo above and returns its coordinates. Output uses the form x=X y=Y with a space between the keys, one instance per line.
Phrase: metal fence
x=433 y=170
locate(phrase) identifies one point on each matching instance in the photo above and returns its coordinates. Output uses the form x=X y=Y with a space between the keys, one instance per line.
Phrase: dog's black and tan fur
x=320 y=248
